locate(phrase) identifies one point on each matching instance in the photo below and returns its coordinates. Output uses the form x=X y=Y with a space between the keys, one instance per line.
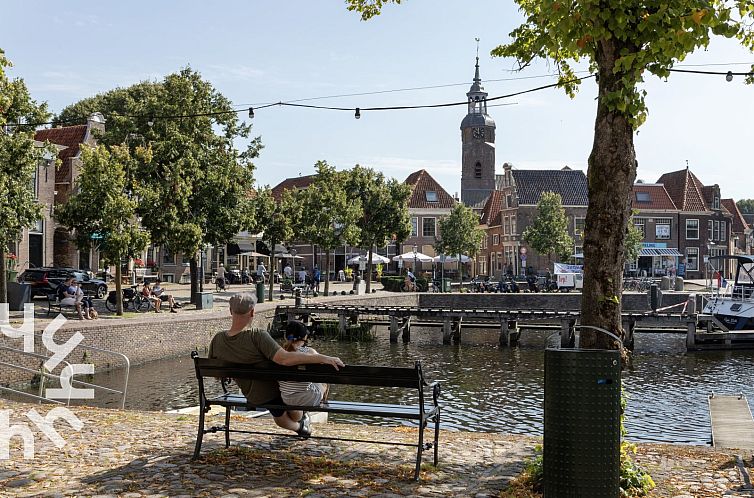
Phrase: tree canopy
x=548 y=232
x=196 y=187
x=384 y=210
x=746 y=206
x=101 y=208
x=459 y=232
x=19 y=158
x=329 y=217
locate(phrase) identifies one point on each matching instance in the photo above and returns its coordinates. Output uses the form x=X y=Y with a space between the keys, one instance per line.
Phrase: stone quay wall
x=557 y=301
x=150 y=337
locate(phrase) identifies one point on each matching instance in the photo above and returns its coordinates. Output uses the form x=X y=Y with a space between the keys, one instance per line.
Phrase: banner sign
x=563 y=268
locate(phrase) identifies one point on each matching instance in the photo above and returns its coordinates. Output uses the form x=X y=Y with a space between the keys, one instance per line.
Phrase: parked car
x=44 y=280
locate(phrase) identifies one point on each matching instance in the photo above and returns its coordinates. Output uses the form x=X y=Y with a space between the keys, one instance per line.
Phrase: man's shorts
x=275 y=401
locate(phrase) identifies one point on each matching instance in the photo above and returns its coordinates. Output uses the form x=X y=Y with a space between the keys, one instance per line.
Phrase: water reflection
x=486 y=388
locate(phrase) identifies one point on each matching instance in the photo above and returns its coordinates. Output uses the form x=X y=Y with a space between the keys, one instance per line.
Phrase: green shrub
x=392 y=284
x=422 y=284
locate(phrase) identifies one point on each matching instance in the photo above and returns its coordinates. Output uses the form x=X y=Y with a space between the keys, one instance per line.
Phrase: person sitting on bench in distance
x=240 y=344
x=300 y=393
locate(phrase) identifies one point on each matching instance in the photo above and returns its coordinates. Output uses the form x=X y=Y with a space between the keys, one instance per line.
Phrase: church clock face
x=478 y=133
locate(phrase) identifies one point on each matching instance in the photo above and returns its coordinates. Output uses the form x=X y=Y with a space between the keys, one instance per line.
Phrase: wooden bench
x=53 y=304
x=399 y=377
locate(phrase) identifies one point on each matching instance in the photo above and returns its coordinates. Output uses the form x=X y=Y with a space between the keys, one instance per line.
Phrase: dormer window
x=431 y=196
x=642 y=197
x=716 y=202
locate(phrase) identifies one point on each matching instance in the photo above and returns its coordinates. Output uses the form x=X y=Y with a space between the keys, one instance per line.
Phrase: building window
x=428 y=227
x=168 y=258
x=716 y=202
x=692 y=257
x=723 y=231
x=414 y=226
x=692 y=230
x=643 y=197
x=578 y=226
x=513 y=225
x=506 y=225
x=662 y=228
x=478 y=170
x=509 y=200
x=495 y=240
x=431 y=195
x=717 y=231
x=499 y=261
x=641 y=225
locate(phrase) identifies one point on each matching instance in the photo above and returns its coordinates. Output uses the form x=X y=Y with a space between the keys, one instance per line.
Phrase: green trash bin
x=260 y=292
x=446 y=285
x=582 y=423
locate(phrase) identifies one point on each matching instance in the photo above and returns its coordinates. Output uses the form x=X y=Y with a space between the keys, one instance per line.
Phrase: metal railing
x=43 y=374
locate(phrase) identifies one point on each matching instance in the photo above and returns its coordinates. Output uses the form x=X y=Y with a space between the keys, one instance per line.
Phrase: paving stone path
x=136 y=454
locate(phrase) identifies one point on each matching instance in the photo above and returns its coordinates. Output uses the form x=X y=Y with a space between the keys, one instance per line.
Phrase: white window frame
x=663 y=222
x=414 y=226
x=641 y=225
x=495 y=239
x=723 y=231
x=434 y=226
x=697 y=228
x=695 y=251
x=717 y=231
x=579 y=221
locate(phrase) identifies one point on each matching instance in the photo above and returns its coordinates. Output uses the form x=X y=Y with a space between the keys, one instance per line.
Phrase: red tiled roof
x=298 y=182
x=492 y=208
x=422 y=182
x=71 y=137
x=659 y=199
x=739 y=223
x=685 y=189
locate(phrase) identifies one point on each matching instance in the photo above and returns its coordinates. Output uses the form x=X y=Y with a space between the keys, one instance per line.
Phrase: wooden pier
x=509 y=322
x=731 y=421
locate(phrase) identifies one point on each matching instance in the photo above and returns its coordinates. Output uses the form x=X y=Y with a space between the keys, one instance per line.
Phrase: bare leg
x=286 y=422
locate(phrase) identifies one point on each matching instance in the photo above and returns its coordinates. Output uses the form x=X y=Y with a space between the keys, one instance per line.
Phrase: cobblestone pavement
x=134 y=454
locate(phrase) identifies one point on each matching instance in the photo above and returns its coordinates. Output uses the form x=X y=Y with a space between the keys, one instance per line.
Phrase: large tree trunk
x=327 y=272
x=369 y=270
x=3 y=276
x=118 y=289
x=611 y=174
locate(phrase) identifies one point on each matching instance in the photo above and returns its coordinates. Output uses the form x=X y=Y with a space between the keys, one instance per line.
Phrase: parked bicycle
x=132 y=300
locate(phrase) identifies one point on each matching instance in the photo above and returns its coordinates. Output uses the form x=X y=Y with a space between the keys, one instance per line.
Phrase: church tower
x=478 y=151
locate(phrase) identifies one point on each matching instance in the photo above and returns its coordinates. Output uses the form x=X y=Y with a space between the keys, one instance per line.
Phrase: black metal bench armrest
x=435 y=387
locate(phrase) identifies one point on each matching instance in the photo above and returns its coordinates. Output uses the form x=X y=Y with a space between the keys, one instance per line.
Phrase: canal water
x=491 y=389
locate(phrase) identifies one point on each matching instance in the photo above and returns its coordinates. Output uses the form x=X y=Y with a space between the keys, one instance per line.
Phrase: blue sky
x=256 y=52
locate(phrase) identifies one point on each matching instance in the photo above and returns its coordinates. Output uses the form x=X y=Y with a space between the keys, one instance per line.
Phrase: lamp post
x=414 y=259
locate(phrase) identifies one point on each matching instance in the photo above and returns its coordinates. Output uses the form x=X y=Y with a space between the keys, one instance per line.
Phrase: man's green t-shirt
x=248 y=347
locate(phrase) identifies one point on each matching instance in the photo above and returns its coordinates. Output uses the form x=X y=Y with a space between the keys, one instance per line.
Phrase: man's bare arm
x=289 y=358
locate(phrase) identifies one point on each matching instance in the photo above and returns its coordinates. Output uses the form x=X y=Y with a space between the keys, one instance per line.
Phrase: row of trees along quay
x=621 y=41
x=183 y=183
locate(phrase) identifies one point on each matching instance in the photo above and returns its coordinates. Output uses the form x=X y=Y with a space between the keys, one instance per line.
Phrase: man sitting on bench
x=241 y=345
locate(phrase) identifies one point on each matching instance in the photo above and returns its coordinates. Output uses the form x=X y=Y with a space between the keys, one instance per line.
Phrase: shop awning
x=646 y=251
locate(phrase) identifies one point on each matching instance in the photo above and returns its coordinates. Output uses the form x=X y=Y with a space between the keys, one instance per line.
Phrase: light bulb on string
x=358 y=114
x=729 y=76
x=251 y=112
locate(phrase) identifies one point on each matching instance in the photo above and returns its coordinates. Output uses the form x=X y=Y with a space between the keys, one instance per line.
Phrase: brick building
x=508 y=213
x=656 y=217
x=704 y=224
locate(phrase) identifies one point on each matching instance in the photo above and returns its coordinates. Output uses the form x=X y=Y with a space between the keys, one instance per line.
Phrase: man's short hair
x=242 y=303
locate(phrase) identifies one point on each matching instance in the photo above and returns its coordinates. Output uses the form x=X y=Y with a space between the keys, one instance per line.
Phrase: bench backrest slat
x=350 y=374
